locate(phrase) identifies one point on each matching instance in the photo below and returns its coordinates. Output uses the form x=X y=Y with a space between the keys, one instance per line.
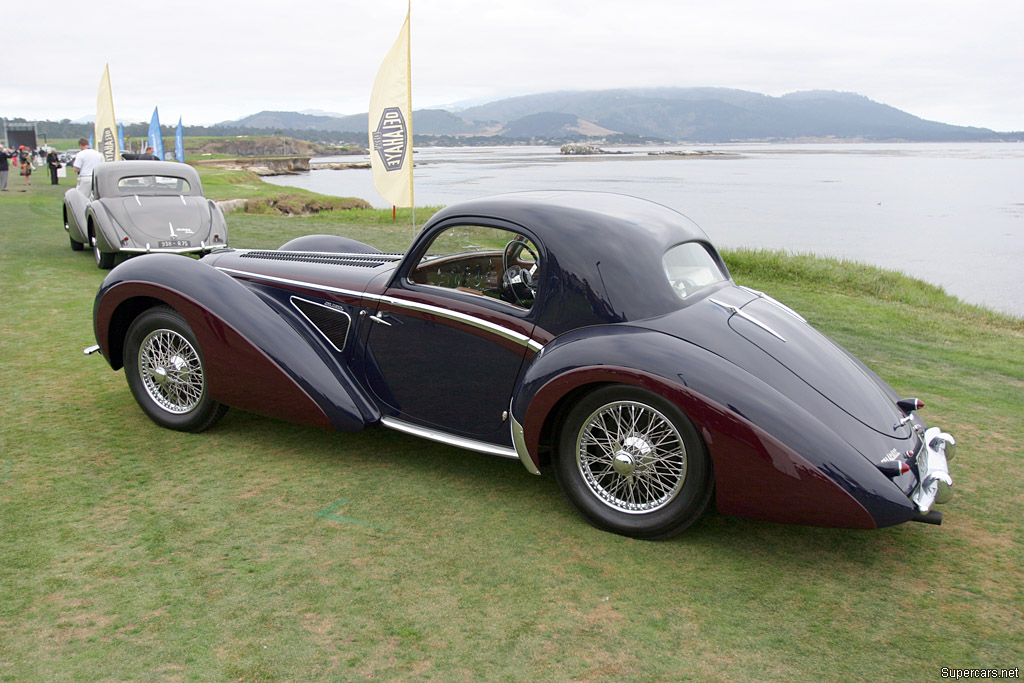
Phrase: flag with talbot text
x=391 y=124
x=105 y=128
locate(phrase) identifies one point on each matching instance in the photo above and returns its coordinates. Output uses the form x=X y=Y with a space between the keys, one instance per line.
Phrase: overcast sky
x=954 y=61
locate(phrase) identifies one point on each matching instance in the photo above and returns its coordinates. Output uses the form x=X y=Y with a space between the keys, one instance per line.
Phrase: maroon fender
x=256 y=360
x=756 y=476
x=239 y=374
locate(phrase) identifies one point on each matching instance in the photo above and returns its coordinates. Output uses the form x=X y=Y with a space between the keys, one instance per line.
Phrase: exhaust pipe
x=933 y=517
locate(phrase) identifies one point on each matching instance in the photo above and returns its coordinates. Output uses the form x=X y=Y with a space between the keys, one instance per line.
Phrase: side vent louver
x=332 y=323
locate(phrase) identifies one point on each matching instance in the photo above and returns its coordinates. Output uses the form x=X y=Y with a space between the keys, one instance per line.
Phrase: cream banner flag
x=106 y=125
x=391 y=124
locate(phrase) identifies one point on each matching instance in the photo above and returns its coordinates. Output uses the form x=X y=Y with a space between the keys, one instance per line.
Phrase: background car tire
x=633 y=463
x=166 y=372
x=75 y=244
x=104 y=260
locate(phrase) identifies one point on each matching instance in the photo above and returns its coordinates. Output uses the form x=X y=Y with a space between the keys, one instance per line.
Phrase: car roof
x=107 y=174
x=607 y=247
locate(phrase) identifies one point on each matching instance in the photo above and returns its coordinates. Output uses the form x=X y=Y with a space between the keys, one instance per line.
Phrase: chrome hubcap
x=631 y=457
x=171 y=372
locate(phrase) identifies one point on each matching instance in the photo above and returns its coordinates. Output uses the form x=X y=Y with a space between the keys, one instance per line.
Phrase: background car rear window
x=153 y=184
x=491 y=262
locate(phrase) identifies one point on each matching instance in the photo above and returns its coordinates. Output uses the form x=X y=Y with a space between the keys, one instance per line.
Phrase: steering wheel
x=683 y=286
x=518 y=283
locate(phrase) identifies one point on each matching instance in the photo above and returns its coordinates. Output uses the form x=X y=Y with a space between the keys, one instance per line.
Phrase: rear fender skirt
x=74 y=205
x=256 y=361
x=103 y=227
x=773 y=461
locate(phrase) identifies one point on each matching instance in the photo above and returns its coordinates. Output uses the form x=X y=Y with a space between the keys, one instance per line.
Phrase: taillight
x=909 y=405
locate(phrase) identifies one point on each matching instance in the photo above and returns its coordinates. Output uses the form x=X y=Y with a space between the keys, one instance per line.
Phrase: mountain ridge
x=706 y=115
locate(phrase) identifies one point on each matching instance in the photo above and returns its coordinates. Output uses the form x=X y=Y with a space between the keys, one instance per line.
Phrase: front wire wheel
x=633 y=463
x=171 y=371
x=166 y=373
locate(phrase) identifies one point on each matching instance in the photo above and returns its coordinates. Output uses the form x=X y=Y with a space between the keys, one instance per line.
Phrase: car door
x=450 y=333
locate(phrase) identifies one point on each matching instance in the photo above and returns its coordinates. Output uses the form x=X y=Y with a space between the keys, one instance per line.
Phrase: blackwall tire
x=104 y=260
x=166 y=372
x=633 y=463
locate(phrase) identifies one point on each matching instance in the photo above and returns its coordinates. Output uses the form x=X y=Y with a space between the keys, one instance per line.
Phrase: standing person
x=53 y=163
x=25 y=161
x=149 y=155
x=5 y=167
x=85 y=161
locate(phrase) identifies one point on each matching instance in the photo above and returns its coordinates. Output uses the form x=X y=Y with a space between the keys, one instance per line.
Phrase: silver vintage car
x=138 y=207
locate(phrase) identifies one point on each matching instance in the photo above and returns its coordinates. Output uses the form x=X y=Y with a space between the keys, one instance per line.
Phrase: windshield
x=690 y=267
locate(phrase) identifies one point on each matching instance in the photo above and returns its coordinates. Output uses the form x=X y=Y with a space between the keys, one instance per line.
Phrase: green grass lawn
x=265 y=551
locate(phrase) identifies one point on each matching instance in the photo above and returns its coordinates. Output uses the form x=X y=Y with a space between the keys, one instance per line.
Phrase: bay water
x=949 y=214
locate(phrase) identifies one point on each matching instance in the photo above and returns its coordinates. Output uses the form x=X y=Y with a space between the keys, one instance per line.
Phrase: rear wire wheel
x=633 y=463
x=166 y=372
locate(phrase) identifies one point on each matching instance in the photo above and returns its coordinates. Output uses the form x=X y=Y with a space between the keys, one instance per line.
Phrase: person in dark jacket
x=53 y=163
x=5 y=167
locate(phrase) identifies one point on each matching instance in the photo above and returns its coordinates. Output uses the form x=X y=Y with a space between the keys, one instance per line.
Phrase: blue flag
x=120 y=136
x=92 y=142
x=156 y=138
x=179 y=143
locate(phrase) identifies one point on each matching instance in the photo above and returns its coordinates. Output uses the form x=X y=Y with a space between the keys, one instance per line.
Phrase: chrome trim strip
x=297 y=283
x=479 y=323
x=519 y=441
x=449 y=439
x=772 y=300
x=401 y=303
x=316 y=327
x=735 y=311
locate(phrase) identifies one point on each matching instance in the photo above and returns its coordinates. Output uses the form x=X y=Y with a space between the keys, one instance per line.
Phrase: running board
x=449 y=439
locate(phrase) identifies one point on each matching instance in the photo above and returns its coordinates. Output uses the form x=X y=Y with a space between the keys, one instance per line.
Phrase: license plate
x=171 y=244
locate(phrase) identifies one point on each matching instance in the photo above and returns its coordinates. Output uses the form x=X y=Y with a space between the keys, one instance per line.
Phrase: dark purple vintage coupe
x=597 y=332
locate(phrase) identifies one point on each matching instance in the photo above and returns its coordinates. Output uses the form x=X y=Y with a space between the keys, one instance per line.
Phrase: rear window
x=690 y=267
x=153 y=184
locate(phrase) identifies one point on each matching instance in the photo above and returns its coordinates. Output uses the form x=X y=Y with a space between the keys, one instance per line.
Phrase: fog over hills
x=706 y=115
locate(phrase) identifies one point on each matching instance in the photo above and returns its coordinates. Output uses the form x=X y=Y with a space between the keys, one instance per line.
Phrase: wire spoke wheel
x=166 y=372
x=171 y=371
x=632 y=462
x=631 y=457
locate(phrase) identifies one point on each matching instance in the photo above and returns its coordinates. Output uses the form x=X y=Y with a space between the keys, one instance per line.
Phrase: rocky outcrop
x=291 y=205
x=261 y=166
x=337 y=165
x=581 y=148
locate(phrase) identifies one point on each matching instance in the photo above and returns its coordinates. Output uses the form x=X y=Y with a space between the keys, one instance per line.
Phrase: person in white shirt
x=85 y=161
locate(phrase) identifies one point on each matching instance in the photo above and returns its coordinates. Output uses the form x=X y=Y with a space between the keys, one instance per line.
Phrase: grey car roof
x=107 y=174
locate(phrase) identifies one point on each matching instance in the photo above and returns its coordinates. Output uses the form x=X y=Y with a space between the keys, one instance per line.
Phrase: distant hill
x=670 y=114
x=425 y=122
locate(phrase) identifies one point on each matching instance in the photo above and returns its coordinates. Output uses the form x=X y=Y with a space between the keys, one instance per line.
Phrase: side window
x=492 y=262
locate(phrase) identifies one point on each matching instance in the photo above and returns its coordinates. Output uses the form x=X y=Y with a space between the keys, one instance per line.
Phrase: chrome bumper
x=179 y=250
x=934 y=483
